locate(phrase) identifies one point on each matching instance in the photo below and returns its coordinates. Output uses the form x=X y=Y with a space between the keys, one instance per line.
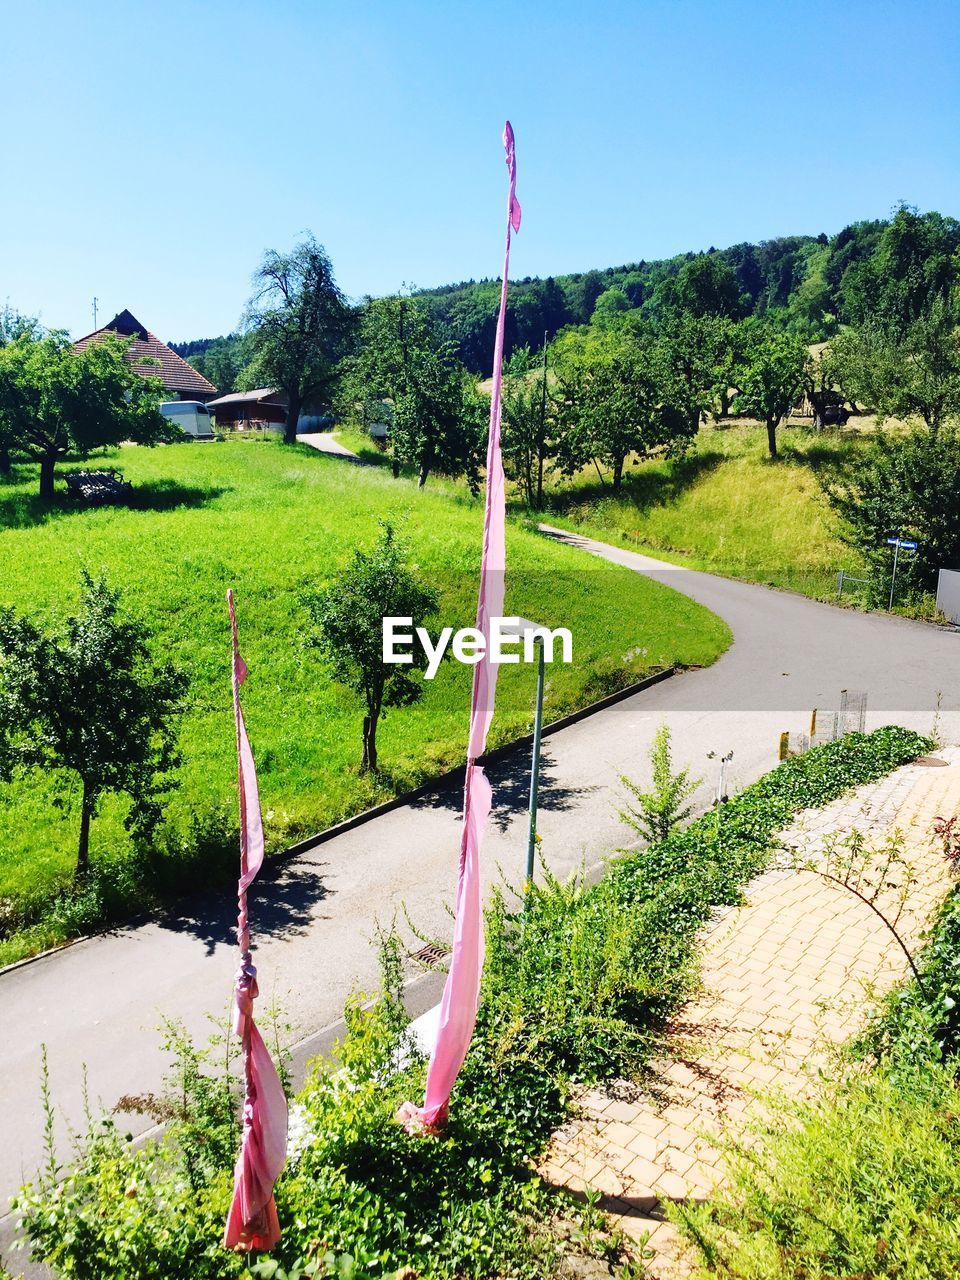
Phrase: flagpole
x=461 y=992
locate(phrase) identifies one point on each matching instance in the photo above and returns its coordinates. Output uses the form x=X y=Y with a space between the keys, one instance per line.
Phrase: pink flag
x=461 y=993
x=252 y=1221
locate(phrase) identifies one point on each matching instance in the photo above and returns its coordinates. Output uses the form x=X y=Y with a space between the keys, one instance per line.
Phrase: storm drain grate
x=931 y=762
x=431 y=955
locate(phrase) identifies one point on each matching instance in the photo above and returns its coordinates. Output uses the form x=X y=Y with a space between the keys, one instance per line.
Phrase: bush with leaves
x=654 y=814
x=903 y=486
x=862 y=1179
x=154 y=1212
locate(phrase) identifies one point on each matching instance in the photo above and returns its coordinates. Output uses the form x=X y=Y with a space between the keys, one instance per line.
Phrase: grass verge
x=728 y=508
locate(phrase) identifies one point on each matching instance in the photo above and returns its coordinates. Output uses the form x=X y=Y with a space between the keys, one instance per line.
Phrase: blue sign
x=899 y=542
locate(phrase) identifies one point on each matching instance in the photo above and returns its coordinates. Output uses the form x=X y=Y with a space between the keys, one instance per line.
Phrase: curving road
x=98 y=1002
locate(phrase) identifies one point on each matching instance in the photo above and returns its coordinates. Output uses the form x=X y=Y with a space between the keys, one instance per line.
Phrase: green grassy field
x=272 y=522
x=727 y=507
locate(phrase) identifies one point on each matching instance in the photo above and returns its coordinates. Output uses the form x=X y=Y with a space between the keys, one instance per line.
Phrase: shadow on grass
x=282 y=902
x=826 y=454
x=644 y=489
x=19 y=510
x=510 y=780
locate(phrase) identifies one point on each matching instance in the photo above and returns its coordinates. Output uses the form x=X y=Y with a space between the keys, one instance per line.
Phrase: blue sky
x=151 y=153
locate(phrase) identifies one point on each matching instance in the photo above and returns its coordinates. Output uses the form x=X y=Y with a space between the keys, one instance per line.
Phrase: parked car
x=191 y=416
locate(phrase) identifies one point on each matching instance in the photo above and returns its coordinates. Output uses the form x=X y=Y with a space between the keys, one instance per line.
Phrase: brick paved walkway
x=784 y=976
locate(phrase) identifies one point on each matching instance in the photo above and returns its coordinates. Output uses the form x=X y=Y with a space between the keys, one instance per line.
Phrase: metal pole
x=893 y=580
x=535 y=768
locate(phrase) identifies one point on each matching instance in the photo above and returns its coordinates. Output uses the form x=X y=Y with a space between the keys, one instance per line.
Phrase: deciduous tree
x=913 y=374
x=904 y=486
x=528 y=423
x=412 y=377
x=55 y=400
x=348 y=616
x=12 y=325
x=92 y=702
x=298 y=324
x=619 y=397
x=704 y=286
x=771 y=380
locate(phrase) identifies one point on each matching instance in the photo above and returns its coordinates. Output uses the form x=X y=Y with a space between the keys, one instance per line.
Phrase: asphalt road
x=100 y=1001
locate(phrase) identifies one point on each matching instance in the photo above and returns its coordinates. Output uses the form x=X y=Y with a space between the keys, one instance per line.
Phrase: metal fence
x=843 y=578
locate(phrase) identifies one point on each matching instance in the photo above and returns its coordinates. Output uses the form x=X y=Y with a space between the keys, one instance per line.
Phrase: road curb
x=368 y=815
x=457 y=775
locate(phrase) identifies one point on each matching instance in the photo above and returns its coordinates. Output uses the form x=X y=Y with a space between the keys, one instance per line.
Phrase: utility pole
x=95 y=314
x=543 y=424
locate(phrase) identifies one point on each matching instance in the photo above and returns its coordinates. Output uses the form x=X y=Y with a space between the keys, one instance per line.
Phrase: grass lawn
x=727 y=507
x=271 y=522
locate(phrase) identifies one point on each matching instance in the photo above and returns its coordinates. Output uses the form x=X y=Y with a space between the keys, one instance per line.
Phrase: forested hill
x=808 y=284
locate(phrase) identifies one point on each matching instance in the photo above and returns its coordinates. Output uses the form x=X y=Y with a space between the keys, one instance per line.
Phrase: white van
x=191 y=416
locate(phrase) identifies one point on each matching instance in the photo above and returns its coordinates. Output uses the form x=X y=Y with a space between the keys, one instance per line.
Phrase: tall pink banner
x=461 y=993
x=252 y=1222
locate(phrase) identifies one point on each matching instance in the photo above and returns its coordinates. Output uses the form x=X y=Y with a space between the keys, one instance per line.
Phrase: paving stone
x=785 y=974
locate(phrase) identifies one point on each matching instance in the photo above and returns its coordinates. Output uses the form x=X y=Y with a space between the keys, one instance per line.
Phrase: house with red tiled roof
x=154 y=359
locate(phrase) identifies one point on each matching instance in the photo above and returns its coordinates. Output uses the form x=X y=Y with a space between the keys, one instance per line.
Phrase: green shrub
x=914 y=1022
x=154 y=1212
x=861 y=1181
x=731 y=843
x=655 y=814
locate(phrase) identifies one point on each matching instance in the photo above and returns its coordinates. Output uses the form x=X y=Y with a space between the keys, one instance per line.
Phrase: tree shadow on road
x=510 y=780
x=283 y=899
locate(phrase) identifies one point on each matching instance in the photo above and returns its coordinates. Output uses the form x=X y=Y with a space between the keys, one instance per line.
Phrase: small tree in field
x=348 y=615
x=771 y=381
x=528 y=424
x=409 y=373
x=92 y=702
x=618 y=397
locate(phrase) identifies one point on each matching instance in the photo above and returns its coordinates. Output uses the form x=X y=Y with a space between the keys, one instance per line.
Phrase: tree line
x=810 y=285
x=706 y=335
